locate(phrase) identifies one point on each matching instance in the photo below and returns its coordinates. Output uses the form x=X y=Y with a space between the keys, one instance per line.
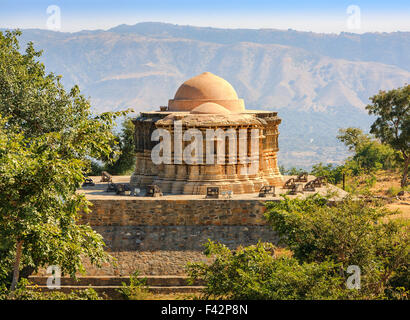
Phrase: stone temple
x=208 y=102
x=158 y=236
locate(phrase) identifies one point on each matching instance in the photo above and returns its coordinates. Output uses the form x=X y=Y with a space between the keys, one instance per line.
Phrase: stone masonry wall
x=176 y=212
x=159 y=237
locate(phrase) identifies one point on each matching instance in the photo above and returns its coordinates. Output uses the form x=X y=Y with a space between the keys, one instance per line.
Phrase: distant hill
x=317 y=82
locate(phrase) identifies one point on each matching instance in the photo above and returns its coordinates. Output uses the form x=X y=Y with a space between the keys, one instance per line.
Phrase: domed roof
x=206 y=86
x=210 y=108
x=203 y=88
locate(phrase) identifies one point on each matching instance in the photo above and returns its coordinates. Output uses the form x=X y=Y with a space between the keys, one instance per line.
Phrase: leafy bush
x=369 y=156
x=325 y=238
x=351 y=232
x=24 y=293
x=393 y=191
x=137 y=289
x=333 y=173
x=255 y=272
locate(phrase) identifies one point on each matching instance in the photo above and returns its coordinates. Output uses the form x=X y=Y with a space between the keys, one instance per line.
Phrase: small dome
x=210 y=108
x=206 y=86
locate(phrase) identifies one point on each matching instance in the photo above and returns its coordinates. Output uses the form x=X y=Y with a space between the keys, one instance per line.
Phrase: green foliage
x=125 y=162
x=333 y=173
x=392 y=125
x=373 y=156
x=400 y=281
x=292 y=171
x=325 y=239
x=47 y=136
x=347 y=233
x=96 y=168
x=370 y=154
x=353 y=138
x=137 y=289
x=255 y=272
x=23 y=292
x=282 y=169
x=39 y=205
x=393 y=191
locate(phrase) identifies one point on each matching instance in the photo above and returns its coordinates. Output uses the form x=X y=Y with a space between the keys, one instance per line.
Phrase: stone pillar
x=193 y=176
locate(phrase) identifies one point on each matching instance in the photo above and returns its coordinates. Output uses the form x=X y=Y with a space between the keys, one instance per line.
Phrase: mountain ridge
x=314 y=92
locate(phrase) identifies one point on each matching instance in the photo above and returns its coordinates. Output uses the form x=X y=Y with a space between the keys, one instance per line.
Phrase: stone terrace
x=98 y=192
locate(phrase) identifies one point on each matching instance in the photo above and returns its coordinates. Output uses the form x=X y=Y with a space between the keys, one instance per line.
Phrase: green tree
x=333 y=173
x=392 y=125
x=125 y=162
x=47 y=136
x=369 y=155
x=353 y=138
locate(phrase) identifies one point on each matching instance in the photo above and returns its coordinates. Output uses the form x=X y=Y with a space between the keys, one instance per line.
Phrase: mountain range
x=318 y=83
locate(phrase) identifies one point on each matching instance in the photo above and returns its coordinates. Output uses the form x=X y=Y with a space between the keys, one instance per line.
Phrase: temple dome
x=206 y=87
x=210 y=108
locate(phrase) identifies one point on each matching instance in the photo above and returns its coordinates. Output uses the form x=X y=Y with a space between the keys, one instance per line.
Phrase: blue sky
x=318 y=16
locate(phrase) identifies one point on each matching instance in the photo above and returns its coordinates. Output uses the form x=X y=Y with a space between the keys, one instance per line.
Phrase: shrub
x=334 y=174
x=24 y=293
x=325 y=238
x=137 y=289
x=350 y=232
x=393 y=191
x=255 y=272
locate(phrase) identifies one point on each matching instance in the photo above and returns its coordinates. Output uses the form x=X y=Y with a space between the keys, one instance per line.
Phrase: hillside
x=318 y=83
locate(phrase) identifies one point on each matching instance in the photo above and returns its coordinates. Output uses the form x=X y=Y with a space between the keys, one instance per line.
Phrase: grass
x=393 y=190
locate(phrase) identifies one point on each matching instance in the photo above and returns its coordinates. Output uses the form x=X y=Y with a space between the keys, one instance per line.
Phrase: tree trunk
x=405 y=172
x=16 y=267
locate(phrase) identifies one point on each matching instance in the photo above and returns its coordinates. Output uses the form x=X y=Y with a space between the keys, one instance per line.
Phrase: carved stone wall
x=182 y=178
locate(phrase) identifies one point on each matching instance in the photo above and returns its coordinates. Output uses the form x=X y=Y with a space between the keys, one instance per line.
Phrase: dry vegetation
x=386 y=185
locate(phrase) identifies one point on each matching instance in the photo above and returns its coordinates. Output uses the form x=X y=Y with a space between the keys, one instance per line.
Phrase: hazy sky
x=317 y=16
